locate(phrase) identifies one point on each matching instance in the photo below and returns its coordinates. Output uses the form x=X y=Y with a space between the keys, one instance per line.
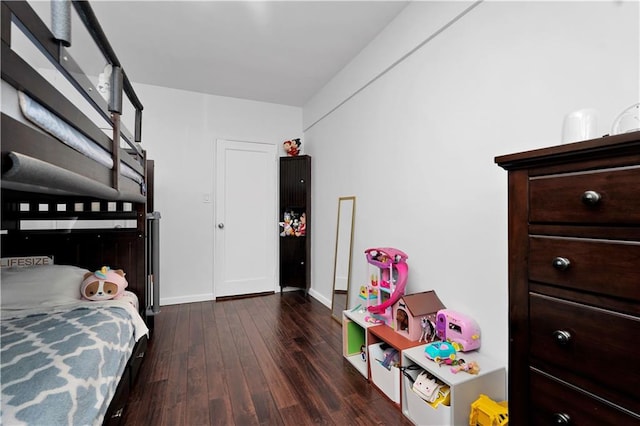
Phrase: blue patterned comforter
x=63 y=368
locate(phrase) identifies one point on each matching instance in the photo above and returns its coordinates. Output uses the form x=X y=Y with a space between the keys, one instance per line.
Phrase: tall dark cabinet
x=295 y=222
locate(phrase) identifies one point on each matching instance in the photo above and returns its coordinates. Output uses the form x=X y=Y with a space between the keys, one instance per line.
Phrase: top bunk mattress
x=54 y=99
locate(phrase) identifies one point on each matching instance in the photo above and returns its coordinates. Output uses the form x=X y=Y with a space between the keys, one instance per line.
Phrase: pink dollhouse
x=410 y=310
x=388 y=282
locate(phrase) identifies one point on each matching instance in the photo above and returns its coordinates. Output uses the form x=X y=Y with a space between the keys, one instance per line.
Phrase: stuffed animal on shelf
x=301 y=229
x=104 y=284
x=292 y=147
x=287 y=225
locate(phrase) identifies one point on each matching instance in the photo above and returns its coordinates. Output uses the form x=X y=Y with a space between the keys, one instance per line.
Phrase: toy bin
x=423 y=412
x=387 y=380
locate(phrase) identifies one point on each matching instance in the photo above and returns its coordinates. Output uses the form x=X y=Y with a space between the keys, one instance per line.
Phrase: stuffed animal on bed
x=104 y=284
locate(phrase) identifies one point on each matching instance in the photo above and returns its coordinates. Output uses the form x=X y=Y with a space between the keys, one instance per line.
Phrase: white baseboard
x=165 y=301
x=320 y=298
x=186 y=299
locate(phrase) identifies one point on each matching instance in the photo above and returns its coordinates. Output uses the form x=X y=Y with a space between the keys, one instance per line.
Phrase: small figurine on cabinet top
x=292 y=147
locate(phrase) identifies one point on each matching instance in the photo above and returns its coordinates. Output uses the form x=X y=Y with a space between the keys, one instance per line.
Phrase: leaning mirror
x=342 y=259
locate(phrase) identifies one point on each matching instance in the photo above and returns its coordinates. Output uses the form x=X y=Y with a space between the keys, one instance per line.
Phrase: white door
x=246 y=227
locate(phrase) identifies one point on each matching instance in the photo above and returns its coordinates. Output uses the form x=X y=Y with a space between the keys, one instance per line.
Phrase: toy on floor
x=487 y=412
x=390 y=280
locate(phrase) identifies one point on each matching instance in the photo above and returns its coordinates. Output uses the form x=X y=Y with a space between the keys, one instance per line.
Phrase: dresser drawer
x=555 y=403
x=580 y=341
x=573 y=198
x=598 y=266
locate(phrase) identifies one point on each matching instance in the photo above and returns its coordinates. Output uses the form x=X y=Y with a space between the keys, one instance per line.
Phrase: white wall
x=179 y=131
x=416 y=146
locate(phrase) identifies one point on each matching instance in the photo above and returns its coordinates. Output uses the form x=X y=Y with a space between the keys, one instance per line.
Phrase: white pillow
x=49 y=285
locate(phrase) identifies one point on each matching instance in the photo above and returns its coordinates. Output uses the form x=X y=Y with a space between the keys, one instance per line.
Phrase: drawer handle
x=561 y=263
x=561 y=419
x=591 y=198
x=562 y=337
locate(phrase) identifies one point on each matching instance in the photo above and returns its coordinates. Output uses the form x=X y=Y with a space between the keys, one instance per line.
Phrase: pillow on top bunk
x=51 y=285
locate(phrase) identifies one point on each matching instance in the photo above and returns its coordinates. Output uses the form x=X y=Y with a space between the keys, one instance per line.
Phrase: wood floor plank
x=241 y=403
x=216 y=384
x=271 y=375
x=267 y=360
x=197 y=411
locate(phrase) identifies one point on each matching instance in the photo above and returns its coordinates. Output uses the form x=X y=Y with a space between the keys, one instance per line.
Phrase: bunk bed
x=77 y=194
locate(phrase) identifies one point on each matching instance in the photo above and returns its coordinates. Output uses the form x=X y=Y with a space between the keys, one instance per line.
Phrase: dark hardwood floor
x=266 y=360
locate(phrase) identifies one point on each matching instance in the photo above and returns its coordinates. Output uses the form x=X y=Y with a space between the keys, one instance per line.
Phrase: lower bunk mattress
x=63 y=366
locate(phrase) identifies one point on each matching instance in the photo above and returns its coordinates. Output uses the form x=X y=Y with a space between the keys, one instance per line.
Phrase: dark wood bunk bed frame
x=104 y=193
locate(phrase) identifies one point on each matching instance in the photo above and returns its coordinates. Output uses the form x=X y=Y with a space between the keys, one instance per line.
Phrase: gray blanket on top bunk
x=53 y=125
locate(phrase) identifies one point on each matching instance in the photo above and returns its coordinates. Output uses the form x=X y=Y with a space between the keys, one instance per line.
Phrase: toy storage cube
x=388 y=381
x=464 y=388
x=420 y=410
x=354 y=336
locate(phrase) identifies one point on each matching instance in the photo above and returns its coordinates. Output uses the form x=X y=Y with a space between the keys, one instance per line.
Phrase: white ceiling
x=273 y=51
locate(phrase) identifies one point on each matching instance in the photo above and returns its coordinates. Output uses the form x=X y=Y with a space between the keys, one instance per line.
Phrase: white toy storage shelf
x=464 y=388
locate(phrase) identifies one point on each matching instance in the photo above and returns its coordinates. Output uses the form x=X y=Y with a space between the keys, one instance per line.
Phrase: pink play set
x=459 y=329
x=387 y=283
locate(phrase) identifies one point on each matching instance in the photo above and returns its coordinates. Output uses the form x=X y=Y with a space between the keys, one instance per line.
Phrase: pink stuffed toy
x=104 y=284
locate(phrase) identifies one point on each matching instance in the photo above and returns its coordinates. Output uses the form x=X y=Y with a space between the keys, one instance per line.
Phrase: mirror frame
x=349 y=250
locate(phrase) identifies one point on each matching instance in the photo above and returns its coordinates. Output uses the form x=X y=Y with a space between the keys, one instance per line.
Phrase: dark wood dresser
x=574 y=283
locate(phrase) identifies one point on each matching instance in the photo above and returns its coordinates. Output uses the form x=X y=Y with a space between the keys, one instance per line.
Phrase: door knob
x=221 y=225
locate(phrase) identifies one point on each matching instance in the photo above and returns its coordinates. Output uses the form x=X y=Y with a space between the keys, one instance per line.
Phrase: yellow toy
x=487 y=412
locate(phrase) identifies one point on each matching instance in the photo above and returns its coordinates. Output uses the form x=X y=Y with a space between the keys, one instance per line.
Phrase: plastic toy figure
x=440 y=352
x=428 y=330
x=471 y=367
